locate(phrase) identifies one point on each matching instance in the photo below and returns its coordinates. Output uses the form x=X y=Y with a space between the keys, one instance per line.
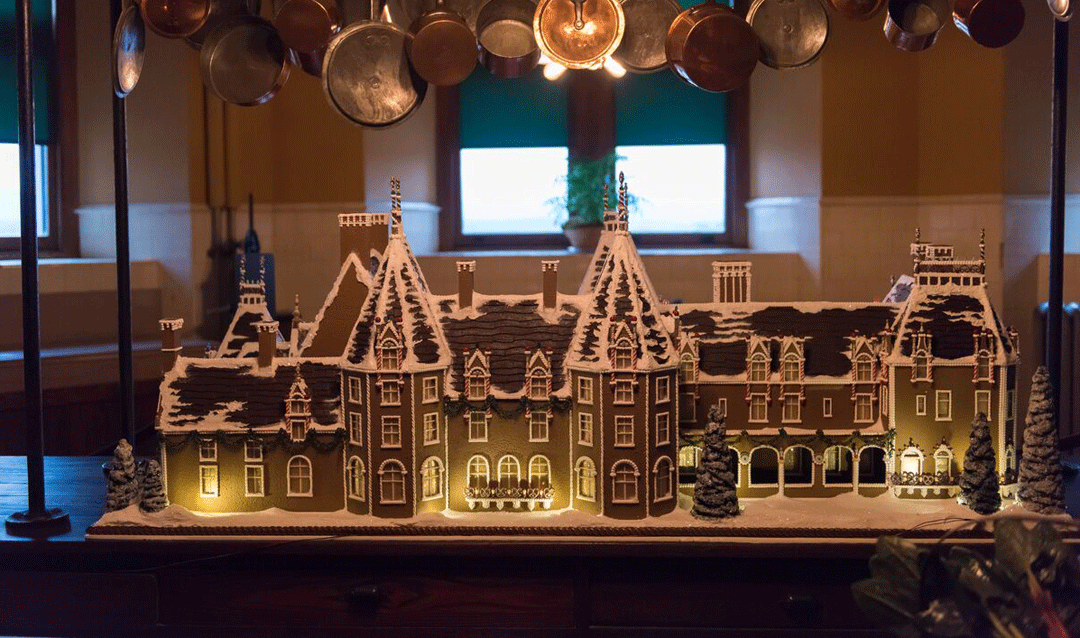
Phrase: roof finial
x=395 y=206
x=982 y=245
x=296 y=310
x=262 y=268
x=918 y=235
x=623 y=214
x=605 y=196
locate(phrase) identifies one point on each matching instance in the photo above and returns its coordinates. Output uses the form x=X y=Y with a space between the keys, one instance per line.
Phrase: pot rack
x=40 y=521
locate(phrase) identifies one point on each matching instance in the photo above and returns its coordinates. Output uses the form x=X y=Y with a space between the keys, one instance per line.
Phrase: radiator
x=1069 y=416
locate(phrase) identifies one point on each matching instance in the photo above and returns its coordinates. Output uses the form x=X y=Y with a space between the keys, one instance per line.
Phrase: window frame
x=469 y=421
x=868 y=397
x=624 y=437
x=989 y=403
x=791 y=399
x=585 y=389
x=750 y=407
x=827 y=407
x=260 y=476
x=938 y=395
x=304 y=462
x=429 y=479
x=665 y=430
x=590 y=133
x=434 y=417
x=387 y=398
x=920 y=404
x=385 y=479
x=209 y=471
x=581 y=429
x=663 y=383
x=433 y=386
x=387 y=420
x=618 y=470
x=543 y=435
x=619 y=389
x=356 y=427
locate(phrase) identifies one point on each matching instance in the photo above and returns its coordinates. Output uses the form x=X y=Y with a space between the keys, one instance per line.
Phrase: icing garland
x=319 y=441
x=457 y=407
x=782 y=440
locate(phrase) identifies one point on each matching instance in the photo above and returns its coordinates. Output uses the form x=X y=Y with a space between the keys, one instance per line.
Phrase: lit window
x=624 y=356
x=921 y=370
x=585 y=428
x=791 y=369
x=944 y=405
x=392 y=483
x=864 y=369
x=298 y=429
x=920 y=405
x=792 y=408
x=509 y=472
x=253 y=450
x=356 y=431
x=624 y=483
x=478 y=426
x=9 y=188
x=662 y=479
x=389 y=359
x=660 y=175
x=430 y=389
x=864 y=408
x=943 y=463
x=490 y=177
x=479 y=474
x=207 y=450
x=663 y=389
x=982 y=403
x=584 y=390
x=758 y=408
x=391 y=431
x=758 y=371
x=253 y=480
x=391 y=392
x=431 y=428
x=477 y=385
x=624 y=431
x=586 y=479
x=538 y=426
x=911 y=461
x=983 y=371
x=538 y=385
x=208 y=480
x=431 y=476
x=539 y=472
x=826 y=407
x=624 y=392
x=687 y=370
x=357 y=488
x=663 y=428
x=299 y=476
x=354 y=389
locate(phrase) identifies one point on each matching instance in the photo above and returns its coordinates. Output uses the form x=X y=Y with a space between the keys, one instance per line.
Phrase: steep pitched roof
x=951 y=315
x=242 y=338
x=510 y=328
x=329 y=335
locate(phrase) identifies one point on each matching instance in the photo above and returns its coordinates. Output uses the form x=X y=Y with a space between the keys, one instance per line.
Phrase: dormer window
x=687 y=370
x=538 y=376
x=758 y=370
x=983 y=370
x=476 y=377
x=477 y=385
x=920 y=358
x=921 y=369
x=791 y=369
x=389 y=355
x=538 y=382
x=624 y=356
x=864 y=369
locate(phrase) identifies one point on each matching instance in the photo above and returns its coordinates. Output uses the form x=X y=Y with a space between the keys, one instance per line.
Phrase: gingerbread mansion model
x=396 y=401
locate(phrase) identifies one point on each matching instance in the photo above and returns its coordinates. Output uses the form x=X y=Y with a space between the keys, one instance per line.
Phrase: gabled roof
x=723 y=331
x=623 y=293
x=329 y=335
x=242 y=338
x=951 y=315
x=510 y=328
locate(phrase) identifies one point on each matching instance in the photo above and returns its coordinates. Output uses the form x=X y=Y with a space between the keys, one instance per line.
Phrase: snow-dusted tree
x=714 y=490
x=123 y=487
x=1041 y=486
x=153 y=492
x=979 y=480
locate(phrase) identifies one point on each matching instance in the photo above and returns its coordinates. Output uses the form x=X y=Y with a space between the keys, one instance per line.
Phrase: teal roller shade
x=521 y=113
x=660 y=109
x=42 y=16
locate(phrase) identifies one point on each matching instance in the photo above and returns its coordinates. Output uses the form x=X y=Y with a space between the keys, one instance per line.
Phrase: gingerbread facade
x=396 y=401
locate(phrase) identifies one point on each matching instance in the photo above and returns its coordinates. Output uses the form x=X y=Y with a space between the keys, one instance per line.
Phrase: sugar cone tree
x=1041 y=481
x=123 y=486
x=979 y=480
x=153 y=492
x=714 y=490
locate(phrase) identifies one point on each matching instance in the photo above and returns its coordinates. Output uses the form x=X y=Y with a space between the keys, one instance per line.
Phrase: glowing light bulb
x=554 y=71
x=614 y=68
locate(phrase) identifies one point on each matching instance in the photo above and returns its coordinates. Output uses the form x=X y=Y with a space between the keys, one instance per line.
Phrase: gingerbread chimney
x=355 y=232
x=170 y=342
x=380 y=233
x=551 y=282
x=731 y=281
x=465 y=270
x=267 y=342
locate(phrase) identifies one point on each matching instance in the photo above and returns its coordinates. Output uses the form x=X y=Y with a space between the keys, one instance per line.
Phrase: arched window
x=299 y=476
x=392 y=483
x=585 y=472
x=791 y=369
x=624 y=355
x=389 y=355
x=624 y=488
x=764 y=466
x=509 y=472
x=911 y=461
x=539 y=472
x=872 y=466
x=864 y=369
x=662 y=479
x=798 y=466
x=431 y=475
x=357 y=488
x=479 y=472
x=839 y=469
x=757 y=368
x=943 y=458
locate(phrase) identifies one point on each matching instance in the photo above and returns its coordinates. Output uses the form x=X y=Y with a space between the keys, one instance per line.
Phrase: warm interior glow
x=554 y=70
x=614 y=68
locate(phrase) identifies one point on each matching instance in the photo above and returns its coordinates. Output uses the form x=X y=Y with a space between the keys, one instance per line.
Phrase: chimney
x=677 y=326
x=170 y=342
x=380 y=233
x=731 y=281
x=465 y=270
x=267 y=342
x=355 y=230
x=551 y=282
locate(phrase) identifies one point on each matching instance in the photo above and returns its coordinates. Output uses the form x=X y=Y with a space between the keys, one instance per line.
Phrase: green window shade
x=521 y=113
x=660 y=109
x=43 y=72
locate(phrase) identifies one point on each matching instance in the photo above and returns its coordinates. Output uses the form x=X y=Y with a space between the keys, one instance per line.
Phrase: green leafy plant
x=583 y=204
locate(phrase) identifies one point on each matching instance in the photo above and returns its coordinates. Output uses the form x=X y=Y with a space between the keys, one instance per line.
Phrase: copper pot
x=244 y=62
x=793 y=33
x=442 y=47
x=991 y=23
x=308 y=25
x=1060 y=9
x=713 y=48
x=579 y=34
x=857 y=9
x=174 y=18
x=647 y=24
x=913 y=25
x=222 y=11
x=507 y=45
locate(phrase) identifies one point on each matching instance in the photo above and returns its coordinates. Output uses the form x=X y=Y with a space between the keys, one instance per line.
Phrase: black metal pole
x=36 y=519
x=123 y=254
x=1057 y=208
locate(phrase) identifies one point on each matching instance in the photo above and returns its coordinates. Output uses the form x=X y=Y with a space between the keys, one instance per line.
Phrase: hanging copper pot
x=310 y=62
x=713 y=48
x=129 y=43
x=442 y=47
x=174 y=18
x=793 y=33
x=507 y=45
x=857 y=9
x=222 y=11
x=647 y=24
x=244 y=62
x=1060 y=9
x=308 y=25
x=579 y=34
x=991 y=23
x=914 y=25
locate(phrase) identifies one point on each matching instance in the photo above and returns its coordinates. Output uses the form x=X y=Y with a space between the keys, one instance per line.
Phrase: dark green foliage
x=1042 y=487
x=153 y=492
x=585 y=182
x=714 y=489
x=123 y=486
x=979 y=480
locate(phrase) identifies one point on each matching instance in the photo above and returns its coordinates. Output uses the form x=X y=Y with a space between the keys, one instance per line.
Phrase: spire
x=982 y=245
x=623 y=215
x=395 y=206
x=296 y=311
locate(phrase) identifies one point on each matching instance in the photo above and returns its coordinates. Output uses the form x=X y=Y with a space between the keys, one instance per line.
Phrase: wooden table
x=404 y=587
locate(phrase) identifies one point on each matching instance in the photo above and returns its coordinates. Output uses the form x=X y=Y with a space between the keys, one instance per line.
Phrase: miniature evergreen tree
x=979 y=481
x=1041 y=486
x=714 y=490
x=123 y=488
x=153 y=493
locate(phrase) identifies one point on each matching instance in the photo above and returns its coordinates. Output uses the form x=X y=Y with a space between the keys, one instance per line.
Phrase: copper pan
x=793 y=33
x=991 y=23
x=914 y=25
x=222 y=11
x=129 y=43
x=1060 y=9
x=857 y=9
x=507 y=45
x=579 y=34
x=713 y=48
x=174 y=18
x=310 y=62
x=244 y=62
x=647 y=24
x=308 y=25
x=442 y=47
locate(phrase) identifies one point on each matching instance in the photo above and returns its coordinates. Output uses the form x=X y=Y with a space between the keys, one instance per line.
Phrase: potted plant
x=583 y=205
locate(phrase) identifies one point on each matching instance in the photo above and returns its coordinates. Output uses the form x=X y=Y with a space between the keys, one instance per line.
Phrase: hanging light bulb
x=615 y=69
x=554 y=70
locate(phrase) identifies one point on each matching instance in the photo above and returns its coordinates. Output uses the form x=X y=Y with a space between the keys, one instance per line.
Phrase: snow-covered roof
x=328 y=335
x=242 y=338
x=951 y=315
